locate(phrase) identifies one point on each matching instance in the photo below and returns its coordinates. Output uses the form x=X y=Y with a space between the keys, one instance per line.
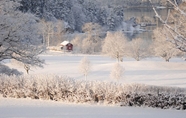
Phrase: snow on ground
x=26 y=108
x=152 y=71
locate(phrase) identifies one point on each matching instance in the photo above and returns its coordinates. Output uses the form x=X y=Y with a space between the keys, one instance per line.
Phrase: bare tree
x=175 y=24
x=115 y=45
x=19 y=35
x=138 y=49
x=85 y=67
x=162 y=48
x=117 y=72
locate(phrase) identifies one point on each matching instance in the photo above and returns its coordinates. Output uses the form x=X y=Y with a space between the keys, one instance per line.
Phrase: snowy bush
x=117 y=72
x=85 y=67
x=58 y=88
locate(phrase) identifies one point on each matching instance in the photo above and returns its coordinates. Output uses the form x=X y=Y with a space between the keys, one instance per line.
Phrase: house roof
x=64 y=42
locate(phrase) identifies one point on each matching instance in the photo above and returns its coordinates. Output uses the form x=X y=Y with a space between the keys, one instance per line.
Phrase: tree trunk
x=167 y=60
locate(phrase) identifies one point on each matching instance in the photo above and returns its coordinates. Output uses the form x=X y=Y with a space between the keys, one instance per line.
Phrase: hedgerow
x=59 y=88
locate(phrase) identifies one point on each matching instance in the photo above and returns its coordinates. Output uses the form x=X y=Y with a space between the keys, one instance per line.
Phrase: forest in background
x=107 y=13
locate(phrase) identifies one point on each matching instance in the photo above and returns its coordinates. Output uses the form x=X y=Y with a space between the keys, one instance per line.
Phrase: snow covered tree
x=19 y=35
x=47 y=29
x=91 y=28
x=59 y=32
x=138 y=49
x=53 y=32
x=163 y=48
x=175 y=24
x=91 y=10
x=117 y=72
x=115 y=45
x=114 y=17
x=77 y=44
x=77 y=12
x=85 y=67
x=92 y=43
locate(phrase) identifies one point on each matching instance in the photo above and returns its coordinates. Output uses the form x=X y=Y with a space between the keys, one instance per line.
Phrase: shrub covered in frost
x=117 y=72
x=65 y=89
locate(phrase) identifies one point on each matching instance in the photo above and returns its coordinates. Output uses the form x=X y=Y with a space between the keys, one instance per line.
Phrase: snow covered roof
x=65 y=42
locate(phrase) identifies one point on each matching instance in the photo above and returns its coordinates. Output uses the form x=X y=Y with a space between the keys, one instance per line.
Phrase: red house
x=66 y=46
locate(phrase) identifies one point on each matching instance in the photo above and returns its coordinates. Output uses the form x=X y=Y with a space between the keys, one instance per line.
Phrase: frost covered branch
x=175 y=24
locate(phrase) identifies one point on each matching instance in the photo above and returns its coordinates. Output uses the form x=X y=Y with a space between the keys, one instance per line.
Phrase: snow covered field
x=26 y=108
x=152 y=71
